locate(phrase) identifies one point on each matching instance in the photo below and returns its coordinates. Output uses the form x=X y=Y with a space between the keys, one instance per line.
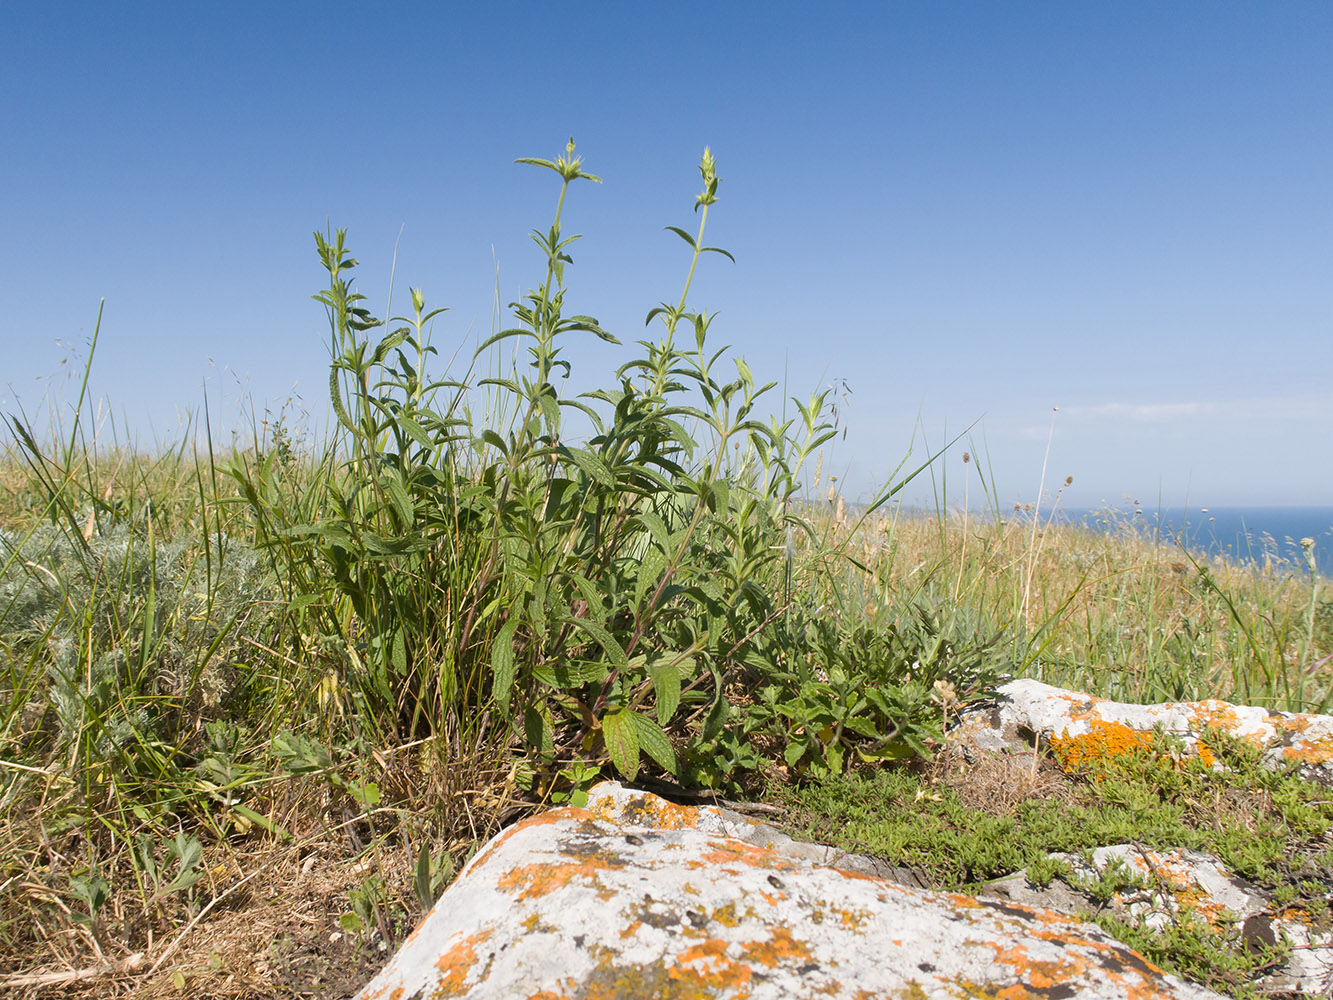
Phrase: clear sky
x=970 y=212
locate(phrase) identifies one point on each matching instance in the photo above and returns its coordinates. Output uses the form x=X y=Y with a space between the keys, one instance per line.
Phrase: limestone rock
x=1029 y=710
x=1188 y=881
x=633 y=897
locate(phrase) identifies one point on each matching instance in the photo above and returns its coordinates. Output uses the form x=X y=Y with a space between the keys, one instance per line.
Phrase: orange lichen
x=543 y=819
x=1311 y=752
x=781 y=947
x=536 y=880
x=1103 y=739
x=1080 y=705
x=725 y=852
x=1215 y=715
x=456 y=963
x=1297 y=723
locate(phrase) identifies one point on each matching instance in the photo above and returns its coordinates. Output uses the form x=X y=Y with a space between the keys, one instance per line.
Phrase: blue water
x=1261 y=535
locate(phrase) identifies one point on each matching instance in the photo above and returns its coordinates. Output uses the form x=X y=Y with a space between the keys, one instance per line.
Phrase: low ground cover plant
x=958 y=826
x=258 y=704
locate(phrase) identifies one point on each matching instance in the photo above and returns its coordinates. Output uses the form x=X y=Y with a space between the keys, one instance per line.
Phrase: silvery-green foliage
x=123 y=632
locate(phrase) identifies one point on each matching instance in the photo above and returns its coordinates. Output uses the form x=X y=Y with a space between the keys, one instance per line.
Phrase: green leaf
x=336 y=398
x=622 y=742
x=567 y=675
x=602 y=637
x=401 y=501
x=262 y=821
x=367 y=795
x=717 y=716
x=666 y=688
x=793 y=754
x=414 y=430
x=398 y=652
x=502 y=665
x=654 y=742
x=550 y=407
x=683 y=235
x=497 y=442
x=592 y=466
x=591 y=597
x=424 y=889
x=538 y=732
x=656 y=527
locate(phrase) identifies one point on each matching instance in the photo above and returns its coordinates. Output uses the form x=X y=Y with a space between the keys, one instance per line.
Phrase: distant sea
x=1246 y=534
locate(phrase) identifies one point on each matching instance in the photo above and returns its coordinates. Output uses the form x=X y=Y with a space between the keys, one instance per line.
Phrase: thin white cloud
x=1252 y=408
x=1143 y=412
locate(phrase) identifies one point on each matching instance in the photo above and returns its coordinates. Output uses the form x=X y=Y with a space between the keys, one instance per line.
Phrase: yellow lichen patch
x=537 y=880
x=647 y=810
x=535 y=924
x=725 y=915
x=456 y=963
x=1103 y=740
x=781 y=947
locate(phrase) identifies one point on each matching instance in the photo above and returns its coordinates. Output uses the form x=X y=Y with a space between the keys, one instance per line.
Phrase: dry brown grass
x=1112 y=612
x=265 y=920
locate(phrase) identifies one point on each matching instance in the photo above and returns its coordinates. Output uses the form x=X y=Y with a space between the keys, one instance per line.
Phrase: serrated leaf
x=717 y=717
x=656 y=528
x=550 y=408
x=567 y=675
x=401 y=501
x=336 y=398
x=622 y=742
x=502 y=666
x=414 y=430
x=593 y=467
x=654 y=742
x=591 y=597
x=793 y=754
x=666 y=688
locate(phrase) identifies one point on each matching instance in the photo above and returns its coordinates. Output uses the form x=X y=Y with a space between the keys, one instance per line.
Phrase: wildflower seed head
x=1069 y=480
x=708 y=170
x=966 y=458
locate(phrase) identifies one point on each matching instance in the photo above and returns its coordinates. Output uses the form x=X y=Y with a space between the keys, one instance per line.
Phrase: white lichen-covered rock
x=633 y=897
x=1028 y=710
x=1183 y=881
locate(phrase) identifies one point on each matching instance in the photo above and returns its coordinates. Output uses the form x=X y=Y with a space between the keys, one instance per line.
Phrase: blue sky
x=967 y=211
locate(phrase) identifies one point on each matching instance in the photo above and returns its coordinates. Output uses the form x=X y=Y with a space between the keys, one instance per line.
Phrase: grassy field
x=259 y=706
